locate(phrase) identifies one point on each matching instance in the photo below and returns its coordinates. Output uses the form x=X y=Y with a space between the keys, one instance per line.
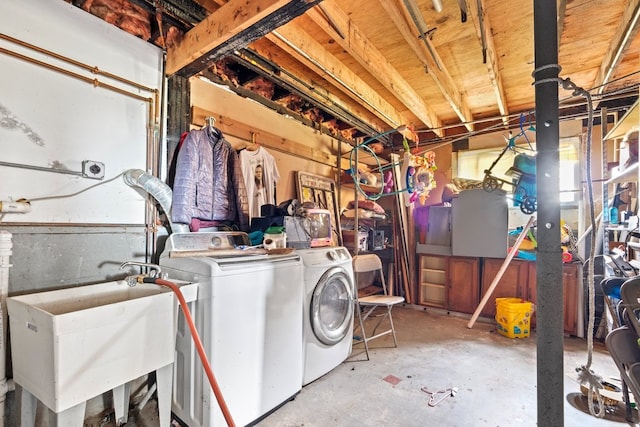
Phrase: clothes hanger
x=210 y=121
x=254 y=146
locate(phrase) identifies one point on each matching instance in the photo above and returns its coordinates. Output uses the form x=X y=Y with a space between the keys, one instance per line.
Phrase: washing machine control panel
x=212 y=241
x=338 y=254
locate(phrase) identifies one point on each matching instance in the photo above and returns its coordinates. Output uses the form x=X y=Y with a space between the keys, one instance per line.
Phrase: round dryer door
x=332 y=306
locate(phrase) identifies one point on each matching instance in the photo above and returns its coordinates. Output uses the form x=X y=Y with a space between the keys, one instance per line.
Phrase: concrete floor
x=495 y=377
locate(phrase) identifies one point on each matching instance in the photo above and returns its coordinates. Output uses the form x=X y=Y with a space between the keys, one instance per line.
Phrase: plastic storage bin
x=513 y=317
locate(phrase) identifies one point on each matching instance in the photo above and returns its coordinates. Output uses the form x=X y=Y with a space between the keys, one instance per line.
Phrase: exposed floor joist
x=297 y=43
x=356 y=43
x=434 y=66
x=234 y=25
x=376 y=78
x=562 y=10
x=483 y=28
x=626 y=31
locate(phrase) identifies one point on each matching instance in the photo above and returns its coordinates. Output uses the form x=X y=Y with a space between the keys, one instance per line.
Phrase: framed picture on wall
x=320 y=190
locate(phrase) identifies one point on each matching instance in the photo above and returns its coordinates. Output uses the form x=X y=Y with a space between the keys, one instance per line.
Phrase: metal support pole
x=605 y=178
x=549 y=302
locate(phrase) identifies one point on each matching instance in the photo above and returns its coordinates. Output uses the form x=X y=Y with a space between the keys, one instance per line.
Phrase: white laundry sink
x=70 y=345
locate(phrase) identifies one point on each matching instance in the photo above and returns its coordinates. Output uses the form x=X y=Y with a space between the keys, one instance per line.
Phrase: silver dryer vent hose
x=158 y=190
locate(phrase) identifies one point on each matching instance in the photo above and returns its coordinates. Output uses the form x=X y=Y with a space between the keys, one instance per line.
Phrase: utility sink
x=70 y=345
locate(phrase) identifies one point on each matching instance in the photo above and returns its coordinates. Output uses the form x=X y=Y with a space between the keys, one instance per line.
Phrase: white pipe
x=147 y=396
x=14 y=207
x=158 y=190
x=6 y=246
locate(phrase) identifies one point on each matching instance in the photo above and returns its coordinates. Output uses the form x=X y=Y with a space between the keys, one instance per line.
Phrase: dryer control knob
x=216 y=241
x=332 y=255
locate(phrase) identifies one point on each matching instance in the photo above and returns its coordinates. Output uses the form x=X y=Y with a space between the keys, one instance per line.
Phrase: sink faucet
x=133 y=280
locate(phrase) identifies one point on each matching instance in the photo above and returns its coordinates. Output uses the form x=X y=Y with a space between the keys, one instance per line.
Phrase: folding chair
x=622 y=342
x=625 y=352
x=365 y=264
x=611 y=290
x=630 y=295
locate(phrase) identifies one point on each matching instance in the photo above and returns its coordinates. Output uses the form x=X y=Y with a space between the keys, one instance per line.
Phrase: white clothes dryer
x=328 y=310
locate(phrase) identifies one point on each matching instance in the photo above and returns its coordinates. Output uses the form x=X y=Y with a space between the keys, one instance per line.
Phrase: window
x=473 y=163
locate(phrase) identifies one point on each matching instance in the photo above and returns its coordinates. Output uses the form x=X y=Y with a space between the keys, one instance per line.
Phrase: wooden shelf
x=634 y=245
x=630 y=120
x=347 y=181
x=630 y=174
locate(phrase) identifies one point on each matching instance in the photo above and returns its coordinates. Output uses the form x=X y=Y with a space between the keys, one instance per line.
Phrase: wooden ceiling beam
x=296 y=77
x=302 y=82
x=562 y=13
x=233 y=26
x=483 y=30
x=434 y=66
x=301 y=46
x=210 y=5
x=347 y=34
x=625 y=32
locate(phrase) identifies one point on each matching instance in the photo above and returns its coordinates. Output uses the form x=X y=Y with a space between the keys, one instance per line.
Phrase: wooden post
x=503 y=268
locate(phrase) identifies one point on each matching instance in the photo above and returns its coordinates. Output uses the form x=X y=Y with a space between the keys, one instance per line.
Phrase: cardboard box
x=348 y=240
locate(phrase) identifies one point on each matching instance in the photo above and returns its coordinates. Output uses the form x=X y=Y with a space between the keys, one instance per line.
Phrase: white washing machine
x=247 y=312
x=328 y=310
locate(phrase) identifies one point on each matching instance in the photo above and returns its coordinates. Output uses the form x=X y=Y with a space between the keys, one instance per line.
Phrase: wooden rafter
x=210 y=5
x=624 y=34
x=483 y=31
x=300 y=45
x=354 y=107
x=434 y=66
x=304 y=80
x=234 y=25
x=562 y=12
x=358 y=45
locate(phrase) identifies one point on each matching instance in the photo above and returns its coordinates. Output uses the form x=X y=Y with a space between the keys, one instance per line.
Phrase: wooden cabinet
x=571 y=276
x=463 y=280
x=433 y=280
x=519 y=281
x=512 y=284
x=456 y=284
x=449 y=282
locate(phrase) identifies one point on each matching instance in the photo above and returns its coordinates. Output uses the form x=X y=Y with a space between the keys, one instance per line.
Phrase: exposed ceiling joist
x=310 y=91
x=210 y=5
x=347 y=109
x=626 y=31
x=297 y=43
x=357 y=44
x=233 y=26
x=434 y=66
x=562 y=11
x=476 y=11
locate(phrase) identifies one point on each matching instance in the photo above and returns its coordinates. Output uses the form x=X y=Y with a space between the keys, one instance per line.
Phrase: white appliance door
x=332 y=306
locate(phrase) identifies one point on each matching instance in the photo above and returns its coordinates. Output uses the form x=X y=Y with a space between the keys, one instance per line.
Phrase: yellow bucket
x=513 y=317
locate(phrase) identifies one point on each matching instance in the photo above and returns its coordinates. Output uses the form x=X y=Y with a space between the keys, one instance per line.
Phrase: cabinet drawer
x=432 y=294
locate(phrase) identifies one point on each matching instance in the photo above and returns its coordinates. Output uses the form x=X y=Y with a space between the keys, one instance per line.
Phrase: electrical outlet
x=92 y=169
